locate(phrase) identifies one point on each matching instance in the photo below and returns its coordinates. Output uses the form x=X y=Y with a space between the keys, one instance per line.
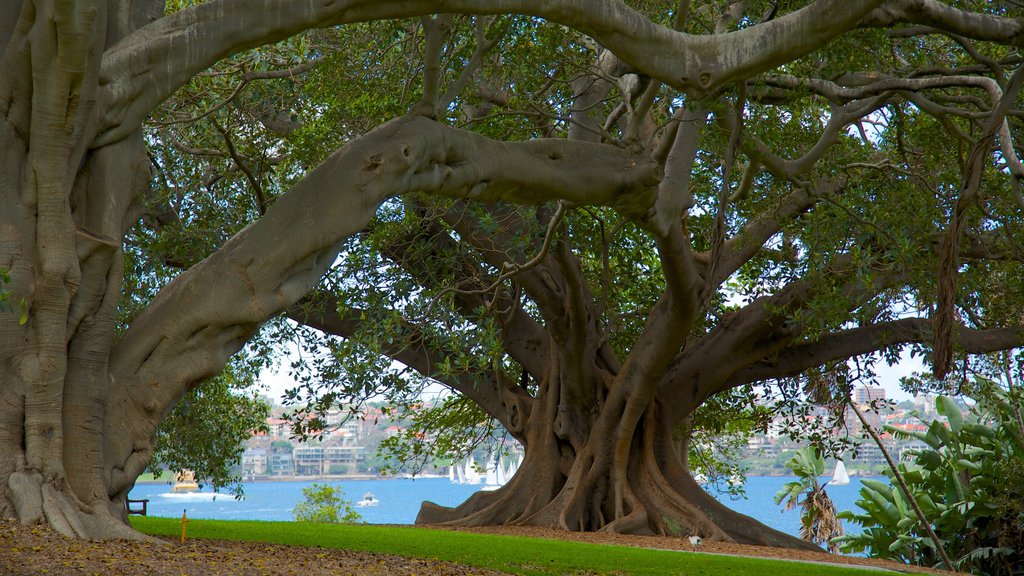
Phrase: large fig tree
x=825 y=161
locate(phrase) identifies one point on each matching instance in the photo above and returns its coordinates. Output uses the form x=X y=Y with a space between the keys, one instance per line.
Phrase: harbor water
x=399 y=499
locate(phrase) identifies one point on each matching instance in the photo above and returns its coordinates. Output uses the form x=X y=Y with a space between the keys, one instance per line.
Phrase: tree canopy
x=600 y=223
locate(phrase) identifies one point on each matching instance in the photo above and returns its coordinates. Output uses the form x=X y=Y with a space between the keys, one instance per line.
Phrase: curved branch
x=946 y=18
x=796 y=358
x=749 y=241
x=907 y=87
x=208 y=312
x=147 y=67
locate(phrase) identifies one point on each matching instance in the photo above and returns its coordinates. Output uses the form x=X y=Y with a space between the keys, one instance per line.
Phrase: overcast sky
x=888 y=378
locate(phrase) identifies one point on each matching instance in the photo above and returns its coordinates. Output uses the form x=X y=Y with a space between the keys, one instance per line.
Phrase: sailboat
x=499 y=473
x=513 y=467
x=491 y=478
x=840 y=477
x=471 y=475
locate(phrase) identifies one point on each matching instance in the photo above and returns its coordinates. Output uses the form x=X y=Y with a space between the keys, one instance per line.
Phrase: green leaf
x=951 y=411
x=883 y=511
x=974 y=467
x=880 y=487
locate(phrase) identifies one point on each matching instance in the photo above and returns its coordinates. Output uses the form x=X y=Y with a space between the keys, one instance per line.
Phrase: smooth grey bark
x=9 y=12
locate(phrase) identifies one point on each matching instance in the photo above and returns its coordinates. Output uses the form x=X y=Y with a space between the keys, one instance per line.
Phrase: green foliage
x=5 y=294
x=445 y=431
x=5 y=278
x=959 y=477
x=818 y=521
x=718 y=434
x=205 y=430
x=503 y=554
x=324 y=503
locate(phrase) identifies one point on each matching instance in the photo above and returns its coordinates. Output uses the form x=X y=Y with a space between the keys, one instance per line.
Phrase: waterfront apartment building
x=317 y=459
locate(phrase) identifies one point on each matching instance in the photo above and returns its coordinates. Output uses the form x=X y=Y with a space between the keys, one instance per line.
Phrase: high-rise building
x=861 y=397
x=866 y=394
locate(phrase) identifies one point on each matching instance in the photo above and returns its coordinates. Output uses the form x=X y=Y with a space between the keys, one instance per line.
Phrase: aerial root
x=27 y=496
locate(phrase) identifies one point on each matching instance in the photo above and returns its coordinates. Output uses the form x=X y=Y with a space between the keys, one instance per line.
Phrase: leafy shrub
x=324 y=503
x=206 y=430
x=960 y=480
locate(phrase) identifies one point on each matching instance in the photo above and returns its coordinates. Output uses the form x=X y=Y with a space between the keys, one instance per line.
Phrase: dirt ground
x=37 y=551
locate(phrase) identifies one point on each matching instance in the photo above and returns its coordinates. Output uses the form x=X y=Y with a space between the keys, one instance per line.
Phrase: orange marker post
x=184 y=520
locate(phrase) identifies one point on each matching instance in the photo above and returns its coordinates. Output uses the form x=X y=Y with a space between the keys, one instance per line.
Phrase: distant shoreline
x=342 y=477
x=329 y=478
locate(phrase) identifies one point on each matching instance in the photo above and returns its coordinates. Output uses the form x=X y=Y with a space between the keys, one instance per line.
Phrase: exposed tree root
x=654 y=494
x=36 y=501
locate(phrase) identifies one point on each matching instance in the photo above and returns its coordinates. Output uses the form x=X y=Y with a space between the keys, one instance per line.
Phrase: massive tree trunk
x=81 y=402
x=600 y=437
x=64 y=208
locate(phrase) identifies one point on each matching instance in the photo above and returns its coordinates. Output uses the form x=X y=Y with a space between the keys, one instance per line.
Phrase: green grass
x=531 y=556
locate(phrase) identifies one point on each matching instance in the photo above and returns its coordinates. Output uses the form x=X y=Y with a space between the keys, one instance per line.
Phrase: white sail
x=840 y=477
x=499 y=473
x=460 y=476
x=491 y=478
x=451 y=474
x=472 y=476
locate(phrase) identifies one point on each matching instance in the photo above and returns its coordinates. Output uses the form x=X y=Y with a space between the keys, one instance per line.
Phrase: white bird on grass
x=695 y=542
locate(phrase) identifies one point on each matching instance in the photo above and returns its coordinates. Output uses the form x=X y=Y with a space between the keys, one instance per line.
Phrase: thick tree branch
x=206 y=314
x=139 y=72
x=436 y=29
x=946 y=18
x=749 y=241
x=758 y=331
x=796 y=358
x=674 y=196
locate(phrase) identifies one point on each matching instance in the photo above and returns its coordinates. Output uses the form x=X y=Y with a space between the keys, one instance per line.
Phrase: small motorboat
x=368 y=500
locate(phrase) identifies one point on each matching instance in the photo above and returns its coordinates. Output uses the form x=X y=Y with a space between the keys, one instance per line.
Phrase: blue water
x=400 y=498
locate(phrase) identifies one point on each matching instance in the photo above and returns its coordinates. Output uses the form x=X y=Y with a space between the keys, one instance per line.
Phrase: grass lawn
x=516 y=555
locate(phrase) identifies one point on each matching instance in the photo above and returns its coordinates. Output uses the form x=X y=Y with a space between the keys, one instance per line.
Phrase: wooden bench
x=132 y=508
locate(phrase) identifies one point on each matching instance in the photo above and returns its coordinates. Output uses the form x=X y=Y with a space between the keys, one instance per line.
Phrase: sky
x=888 y=377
